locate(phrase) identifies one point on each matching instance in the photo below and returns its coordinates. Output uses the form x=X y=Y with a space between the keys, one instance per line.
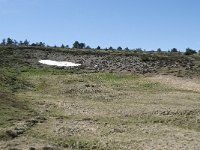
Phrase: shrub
x=190 y=51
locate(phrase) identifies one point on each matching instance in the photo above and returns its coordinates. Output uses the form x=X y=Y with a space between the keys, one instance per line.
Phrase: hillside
x=114 y=100
x=109 y=61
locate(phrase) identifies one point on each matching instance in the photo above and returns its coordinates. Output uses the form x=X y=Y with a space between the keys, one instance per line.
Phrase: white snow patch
x=59 y=63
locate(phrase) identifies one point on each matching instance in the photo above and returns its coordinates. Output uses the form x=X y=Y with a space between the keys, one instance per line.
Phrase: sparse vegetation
x=86 y=109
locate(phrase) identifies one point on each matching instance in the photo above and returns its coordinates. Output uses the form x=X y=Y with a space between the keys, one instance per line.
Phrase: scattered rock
x=22 y=127
x=50 y=148
x=113 y=62
x=12 y=133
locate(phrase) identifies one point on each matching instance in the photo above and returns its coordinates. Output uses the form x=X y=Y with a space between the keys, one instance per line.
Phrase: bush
x=190 y=51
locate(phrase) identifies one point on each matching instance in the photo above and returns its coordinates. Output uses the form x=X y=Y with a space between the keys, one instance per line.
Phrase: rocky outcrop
x=113 y=62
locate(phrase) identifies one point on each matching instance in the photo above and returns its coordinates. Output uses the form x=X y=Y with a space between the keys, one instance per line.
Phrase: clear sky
x=147 y=24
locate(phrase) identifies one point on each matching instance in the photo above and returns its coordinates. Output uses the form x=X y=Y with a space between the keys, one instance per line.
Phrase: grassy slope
x=96 y=110
x=102 y=110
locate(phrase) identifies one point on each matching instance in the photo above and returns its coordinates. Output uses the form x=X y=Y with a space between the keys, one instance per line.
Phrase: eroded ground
x=106 y=111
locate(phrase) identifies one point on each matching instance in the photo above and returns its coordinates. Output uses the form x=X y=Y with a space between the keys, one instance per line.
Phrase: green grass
x=11 y=107
x=12 y=110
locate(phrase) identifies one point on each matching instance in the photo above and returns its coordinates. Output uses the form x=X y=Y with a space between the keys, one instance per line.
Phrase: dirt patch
x=177 y=82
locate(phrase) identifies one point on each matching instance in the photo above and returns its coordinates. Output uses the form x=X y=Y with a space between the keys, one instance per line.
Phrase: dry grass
x=112 y=111
x=179 y=83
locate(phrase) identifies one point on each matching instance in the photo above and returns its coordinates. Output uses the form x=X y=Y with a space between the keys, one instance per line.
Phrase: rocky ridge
x=141 y=63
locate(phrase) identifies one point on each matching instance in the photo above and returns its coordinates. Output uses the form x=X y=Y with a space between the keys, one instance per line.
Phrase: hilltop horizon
x=81 y=45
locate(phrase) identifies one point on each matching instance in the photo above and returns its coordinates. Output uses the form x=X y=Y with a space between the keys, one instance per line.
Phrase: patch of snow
x=59 y=63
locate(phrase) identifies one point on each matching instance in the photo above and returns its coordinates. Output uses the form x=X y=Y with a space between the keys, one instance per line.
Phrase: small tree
x=119 y=48
x=3 y=42
x=10 y=41
x=110 y=48
x=20 y=43
x=159 y=50
x=26 y=43
x=174 y=50
x=76 y=44
x=81 y=45
x=41 y=44
x=127 y=49
x=190 y=51
x=15 y=42
x=33 y=44
x=138 y=50
x=98 y=47
x=88 y=47
x=62 y=46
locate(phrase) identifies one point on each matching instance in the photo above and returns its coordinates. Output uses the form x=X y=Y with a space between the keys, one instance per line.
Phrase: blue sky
x=147 y=24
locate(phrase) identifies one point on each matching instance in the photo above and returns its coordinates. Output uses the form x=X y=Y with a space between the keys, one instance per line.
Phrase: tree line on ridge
x=80 y=45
